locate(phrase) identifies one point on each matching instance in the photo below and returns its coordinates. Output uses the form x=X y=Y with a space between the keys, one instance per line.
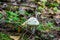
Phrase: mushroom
x=32 y=22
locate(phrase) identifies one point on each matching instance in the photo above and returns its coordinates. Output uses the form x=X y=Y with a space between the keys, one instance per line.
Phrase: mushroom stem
x=33 y=31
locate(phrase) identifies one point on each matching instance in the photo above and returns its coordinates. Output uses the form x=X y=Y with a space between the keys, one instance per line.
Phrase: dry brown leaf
x=57 y=1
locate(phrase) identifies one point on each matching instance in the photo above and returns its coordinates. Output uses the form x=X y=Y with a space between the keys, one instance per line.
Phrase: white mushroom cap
x=32 y=21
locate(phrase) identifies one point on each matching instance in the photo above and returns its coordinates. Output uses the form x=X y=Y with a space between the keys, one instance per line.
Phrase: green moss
x=4 y=36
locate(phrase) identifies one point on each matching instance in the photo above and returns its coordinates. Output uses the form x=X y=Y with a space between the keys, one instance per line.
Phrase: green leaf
x=4 y=36
x=1 y=15
x=55 y=9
